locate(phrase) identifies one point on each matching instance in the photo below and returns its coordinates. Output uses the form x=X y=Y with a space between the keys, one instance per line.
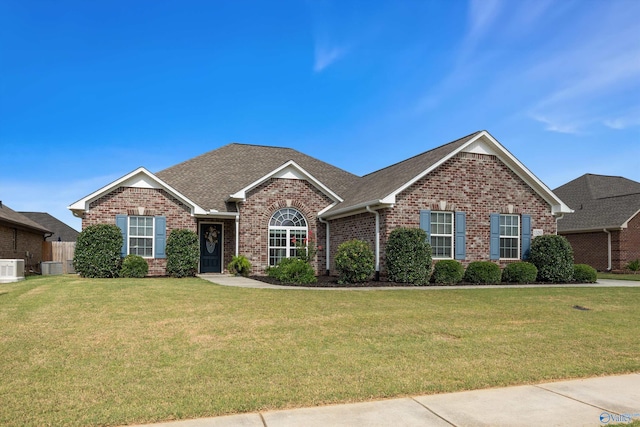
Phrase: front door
x=211 y=248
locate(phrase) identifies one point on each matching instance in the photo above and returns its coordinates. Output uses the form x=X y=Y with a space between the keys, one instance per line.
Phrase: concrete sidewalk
x=587 y=402
x=244 y=282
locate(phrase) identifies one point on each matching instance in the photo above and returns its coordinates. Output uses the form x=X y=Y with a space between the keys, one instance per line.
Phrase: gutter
x=609 y=263
x=377 y=214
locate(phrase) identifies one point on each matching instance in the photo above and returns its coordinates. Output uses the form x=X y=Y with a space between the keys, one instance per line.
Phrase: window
x=287 y=228
x=509 y=236
x=141 y=236
x=442 y=234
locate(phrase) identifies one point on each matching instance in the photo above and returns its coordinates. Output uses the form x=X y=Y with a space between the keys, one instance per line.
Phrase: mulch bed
x=332 y=282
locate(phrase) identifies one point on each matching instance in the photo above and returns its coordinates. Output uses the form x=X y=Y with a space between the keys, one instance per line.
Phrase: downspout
x=377 y=243
x=237 y=229
x=327 y=246
x=609 y=263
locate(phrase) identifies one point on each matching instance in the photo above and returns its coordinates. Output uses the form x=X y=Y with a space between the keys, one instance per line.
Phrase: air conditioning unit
x=51 y=268
x=11 y=270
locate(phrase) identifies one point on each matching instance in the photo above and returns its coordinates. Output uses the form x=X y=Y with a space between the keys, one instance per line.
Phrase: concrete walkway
x=587 y=402
x=243 y=282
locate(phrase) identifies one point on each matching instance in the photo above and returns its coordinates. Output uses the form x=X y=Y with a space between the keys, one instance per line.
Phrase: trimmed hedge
x=483 y=272
x=583 y=273
x=293 y=270
x=447 y=272
x=97 y=253
x=520 y=272
x=408 y=256
x=553 y=256
x=183 y=253
x=355 y=262
x=134 y=266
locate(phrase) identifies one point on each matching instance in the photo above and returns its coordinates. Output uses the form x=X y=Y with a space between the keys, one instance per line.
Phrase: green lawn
x=109 y=352
x=615 y=276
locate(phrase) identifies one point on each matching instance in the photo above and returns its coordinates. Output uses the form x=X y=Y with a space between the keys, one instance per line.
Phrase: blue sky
x=91 y=90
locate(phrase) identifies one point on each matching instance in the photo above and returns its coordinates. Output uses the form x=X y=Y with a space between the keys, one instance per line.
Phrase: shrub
x=553 y=256
x=520 y=272
x=447 y=272
x=239 y=265
x=134 y=266
x=293 y=270
x=183 y=253
x=354 y=262
x=583 y=273
x=408 y=256
x=97 y=252
x=634 y=265
x=484 y=272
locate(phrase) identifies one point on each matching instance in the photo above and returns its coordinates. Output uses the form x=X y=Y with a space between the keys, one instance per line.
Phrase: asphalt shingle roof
x=14 y=218
x=379 y=184
x=59 y=228
x=209 y=179
x=599 y=202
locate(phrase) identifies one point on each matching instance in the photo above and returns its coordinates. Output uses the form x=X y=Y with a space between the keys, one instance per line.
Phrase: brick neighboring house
x=604 y=231
x=21 y=238
x=474 y=198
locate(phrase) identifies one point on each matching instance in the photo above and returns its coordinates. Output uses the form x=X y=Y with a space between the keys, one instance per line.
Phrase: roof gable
x=139 y=178
x=227 y=173
x=383 y=186
x=289 y=170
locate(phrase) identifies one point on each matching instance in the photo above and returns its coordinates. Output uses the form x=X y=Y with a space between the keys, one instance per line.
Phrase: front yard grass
x=616 y=276
x=122 y=351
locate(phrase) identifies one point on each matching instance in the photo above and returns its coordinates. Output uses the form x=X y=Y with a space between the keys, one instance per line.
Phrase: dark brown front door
x=211 y=248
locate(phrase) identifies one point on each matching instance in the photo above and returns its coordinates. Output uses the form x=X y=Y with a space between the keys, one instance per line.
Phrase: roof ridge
x=424 y=152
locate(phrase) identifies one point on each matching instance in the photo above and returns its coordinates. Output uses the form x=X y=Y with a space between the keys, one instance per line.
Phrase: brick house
x=604 y=231
x=21 y=238
x=474 y=198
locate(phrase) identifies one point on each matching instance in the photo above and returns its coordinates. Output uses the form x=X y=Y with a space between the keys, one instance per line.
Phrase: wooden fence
x=61 y=252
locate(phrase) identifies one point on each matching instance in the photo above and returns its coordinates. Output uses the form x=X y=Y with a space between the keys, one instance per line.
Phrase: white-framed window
x=509 y=236
x=141 y=236
x=287 y=229
x=442 y=234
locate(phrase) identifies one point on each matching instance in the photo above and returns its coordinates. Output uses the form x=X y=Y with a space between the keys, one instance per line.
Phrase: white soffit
x=479 y=147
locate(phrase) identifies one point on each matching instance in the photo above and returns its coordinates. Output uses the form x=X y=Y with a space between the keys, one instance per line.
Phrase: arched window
x=287 y=229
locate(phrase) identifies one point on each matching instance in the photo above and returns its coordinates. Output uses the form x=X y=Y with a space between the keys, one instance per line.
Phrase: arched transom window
x=287 y=230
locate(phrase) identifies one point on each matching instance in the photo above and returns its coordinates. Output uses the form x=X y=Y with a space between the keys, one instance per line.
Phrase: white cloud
x=325 y=56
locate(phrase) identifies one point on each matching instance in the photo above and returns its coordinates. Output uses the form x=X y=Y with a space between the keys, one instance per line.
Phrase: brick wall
x=263 y=201
x=629 y=242
x=16 y=242
x=590 y=248
x=360 y=226
x=476 y=184
x=125 y=200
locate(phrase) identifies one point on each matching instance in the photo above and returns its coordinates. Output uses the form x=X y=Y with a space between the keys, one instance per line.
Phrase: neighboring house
x=604 y=231
x=21 y=238
x=61 y=231
x=473 y=197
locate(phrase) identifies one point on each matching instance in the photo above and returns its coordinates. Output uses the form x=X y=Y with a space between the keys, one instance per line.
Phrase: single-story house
x=473 y=197
x=21 y=238
x=604 y=231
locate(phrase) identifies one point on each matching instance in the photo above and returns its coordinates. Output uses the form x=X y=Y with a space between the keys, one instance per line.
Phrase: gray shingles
x=599 y=202
x=60 y=230
x=14 y=218
x=211 y=178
